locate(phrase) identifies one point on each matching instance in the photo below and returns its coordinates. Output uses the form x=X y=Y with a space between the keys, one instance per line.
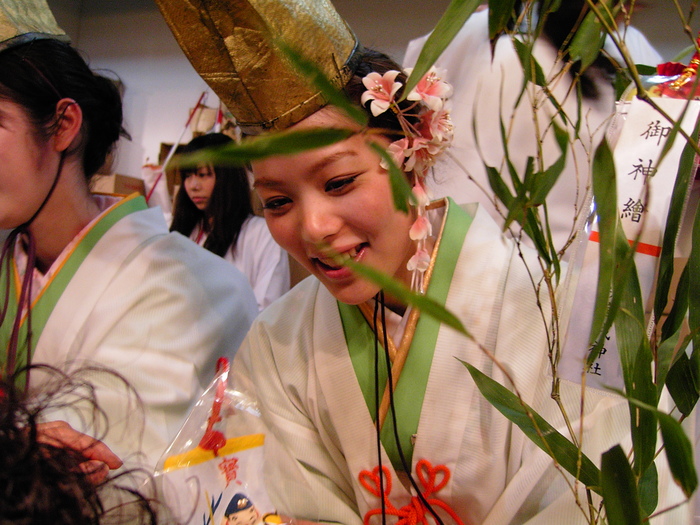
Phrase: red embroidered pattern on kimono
x=431 y=479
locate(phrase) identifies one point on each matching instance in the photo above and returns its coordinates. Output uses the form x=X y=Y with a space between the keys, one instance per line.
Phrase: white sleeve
x=162 y=323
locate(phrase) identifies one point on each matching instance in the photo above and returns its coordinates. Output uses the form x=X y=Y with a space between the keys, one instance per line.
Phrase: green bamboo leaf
x=393 y=287
x=619 y=489
x=517 y=211
x=260 y=147
x=636 y=361
x=400 y=188
x=319 y=80
x=670 y=139
x=580 y=119
x=531 y=68
x=588 y=40
x=500 y=189
x=641 y=387
x=619 y=291
x=675 y=317
x=674 y=218
x=530 y=224
x=546 y=180
x=447 y=27
x=539 y=431
x=512 y=172
x=683 y=382
x=532 y=72
x=694 y=282
x=649 y=490
x=529 y=178
x=548 y=6
x=500 y=15
x=671 y=330
x=621 y=82
x=685 y=52
x=646 y=70
x=534 y=229
x=605 y=195
x=678 y=448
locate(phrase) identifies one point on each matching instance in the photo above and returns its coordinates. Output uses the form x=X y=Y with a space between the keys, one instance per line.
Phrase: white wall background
x=130 y=38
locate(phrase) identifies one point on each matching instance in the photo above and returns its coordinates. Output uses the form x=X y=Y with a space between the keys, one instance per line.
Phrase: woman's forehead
x=313 y=160
x=327 y=117
x=309 y=162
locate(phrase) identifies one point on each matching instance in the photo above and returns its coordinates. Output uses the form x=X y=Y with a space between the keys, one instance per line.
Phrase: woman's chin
x=355 y=293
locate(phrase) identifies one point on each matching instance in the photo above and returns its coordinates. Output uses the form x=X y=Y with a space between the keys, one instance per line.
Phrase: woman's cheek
x=281 y=232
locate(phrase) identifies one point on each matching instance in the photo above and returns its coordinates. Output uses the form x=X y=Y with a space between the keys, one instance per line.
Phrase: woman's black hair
x=228 y=208
x=36 y=75
x=41 y=482
x=558 y=27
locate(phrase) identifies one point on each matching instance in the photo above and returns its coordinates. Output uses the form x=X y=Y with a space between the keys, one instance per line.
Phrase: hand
x=99 y=458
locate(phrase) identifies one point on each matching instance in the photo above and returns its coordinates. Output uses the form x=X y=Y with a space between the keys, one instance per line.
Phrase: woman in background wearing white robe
x=213 y=208
x=99 y=280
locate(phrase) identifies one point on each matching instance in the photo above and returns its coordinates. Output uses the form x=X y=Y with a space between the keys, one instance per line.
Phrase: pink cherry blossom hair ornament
x=424 y=140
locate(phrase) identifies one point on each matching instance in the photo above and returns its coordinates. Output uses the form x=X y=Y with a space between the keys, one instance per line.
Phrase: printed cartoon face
x=199 y=185
x=249 y=516
x=28 y=166
x=336 y=199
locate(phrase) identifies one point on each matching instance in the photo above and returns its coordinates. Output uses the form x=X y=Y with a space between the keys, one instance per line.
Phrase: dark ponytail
x=38 y=74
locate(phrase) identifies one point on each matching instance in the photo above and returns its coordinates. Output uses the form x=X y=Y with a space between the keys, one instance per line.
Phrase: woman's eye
x=340 y=183
x=275 y=204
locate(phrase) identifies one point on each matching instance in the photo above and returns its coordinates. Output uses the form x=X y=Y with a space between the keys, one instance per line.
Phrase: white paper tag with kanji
x=644 y=188
x=205 y=489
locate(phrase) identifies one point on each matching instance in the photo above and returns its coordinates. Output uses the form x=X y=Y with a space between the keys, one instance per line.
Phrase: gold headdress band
x=229 y=43
x=25 y=20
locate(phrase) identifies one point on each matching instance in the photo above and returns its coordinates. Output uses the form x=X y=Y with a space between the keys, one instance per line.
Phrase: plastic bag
x=214 y=467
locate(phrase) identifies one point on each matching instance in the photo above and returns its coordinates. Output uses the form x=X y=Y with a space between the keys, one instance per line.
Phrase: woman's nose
x=319 y=223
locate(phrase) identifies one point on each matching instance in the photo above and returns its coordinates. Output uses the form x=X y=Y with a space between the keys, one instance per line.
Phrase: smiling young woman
x=336 y=201
x=401 y=431
x=372 y=416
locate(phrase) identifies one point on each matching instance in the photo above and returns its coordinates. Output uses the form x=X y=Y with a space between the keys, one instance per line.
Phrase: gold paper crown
x=229 y=43
x=25 y=20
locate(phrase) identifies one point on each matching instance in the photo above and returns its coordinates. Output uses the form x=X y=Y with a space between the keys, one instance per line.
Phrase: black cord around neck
x=25 y=295
x=379 y=301
x=376 y=410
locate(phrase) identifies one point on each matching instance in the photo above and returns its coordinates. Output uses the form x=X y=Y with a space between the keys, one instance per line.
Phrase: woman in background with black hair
x=213 y=208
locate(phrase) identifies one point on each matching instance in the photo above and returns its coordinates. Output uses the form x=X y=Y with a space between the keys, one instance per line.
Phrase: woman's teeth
x=332 y=262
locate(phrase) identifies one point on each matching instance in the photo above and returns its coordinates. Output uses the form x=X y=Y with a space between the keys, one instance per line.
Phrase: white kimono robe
x=150 y=305
x=322 y=441
x=259 y=257
x=487 y=90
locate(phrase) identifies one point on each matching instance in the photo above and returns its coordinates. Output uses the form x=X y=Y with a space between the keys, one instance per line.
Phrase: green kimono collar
x=410 y=390
x=45 y=302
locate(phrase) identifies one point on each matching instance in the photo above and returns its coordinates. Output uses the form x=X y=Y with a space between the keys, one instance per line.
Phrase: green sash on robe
x=410 y=390
x=46 y=300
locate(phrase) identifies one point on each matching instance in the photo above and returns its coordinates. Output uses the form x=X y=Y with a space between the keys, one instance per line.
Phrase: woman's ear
x=69 y=120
